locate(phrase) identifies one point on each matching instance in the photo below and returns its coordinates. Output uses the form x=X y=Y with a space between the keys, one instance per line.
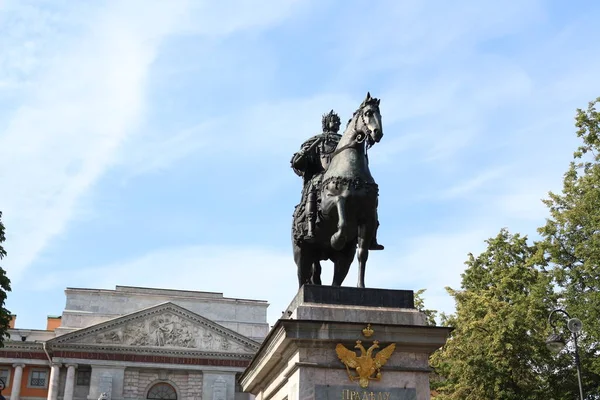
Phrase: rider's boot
x=310 y=228
x=374 y=245
x=311 y=217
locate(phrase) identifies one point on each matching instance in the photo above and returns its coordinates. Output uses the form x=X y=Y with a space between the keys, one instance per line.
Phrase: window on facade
x=4 y=376
x=162 y=391
x=38 y=378
x=83 y=377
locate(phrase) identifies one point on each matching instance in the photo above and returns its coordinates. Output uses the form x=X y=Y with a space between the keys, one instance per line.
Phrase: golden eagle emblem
x=366 y=365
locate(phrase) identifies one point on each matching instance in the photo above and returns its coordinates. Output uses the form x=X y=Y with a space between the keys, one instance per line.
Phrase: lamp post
x=556 y=343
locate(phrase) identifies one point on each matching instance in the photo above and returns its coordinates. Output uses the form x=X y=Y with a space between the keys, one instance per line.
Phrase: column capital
x=71 y=365
x=15 y=365
x=56 y=364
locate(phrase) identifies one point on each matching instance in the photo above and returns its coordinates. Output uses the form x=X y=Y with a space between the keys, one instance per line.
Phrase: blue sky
x=147 y=143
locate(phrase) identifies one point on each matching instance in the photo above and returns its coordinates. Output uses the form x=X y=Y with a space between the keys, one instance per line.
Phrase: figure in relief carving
x=160 y=328
x=111 y=337
x=207 y=340
x=182 y=334
x=225 y=345
x=167 y=330
x=136 y=334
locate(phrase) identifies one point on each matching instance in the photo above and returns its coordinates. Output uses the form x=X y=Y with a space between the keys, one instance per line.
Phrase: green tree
x=497 y=348
x=5 y=315
x=571 y=242
x=430 y=315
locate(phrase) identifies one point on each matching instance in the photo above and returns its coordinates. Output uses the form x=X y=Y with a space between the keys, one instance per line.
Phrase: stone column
x=15 y=393
x=70 y=383
x=53 y=384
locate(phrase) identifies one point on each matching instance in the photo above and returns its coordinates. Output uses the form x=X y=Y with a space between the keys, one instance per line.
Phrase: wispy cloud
x=63 y=136
x=470 y=185
x=84 y=101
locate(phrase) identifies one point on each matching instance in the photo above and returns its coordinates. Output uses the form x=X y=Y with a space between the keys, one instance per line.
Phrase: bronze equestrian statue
x=338 y=209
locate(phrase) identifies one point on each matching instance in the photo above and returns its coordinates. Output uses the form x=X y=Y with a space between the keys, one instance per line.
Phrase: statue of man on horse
x=310 y=163
x=312 y=229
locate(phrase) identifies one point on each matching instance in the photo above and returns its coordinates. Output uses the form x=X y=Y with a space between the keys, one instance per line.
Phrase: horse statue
x=348 y=207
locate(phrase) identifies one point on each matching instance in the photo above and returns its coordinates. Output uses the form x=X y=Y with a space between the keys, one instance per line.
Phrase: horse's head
x=368 y=121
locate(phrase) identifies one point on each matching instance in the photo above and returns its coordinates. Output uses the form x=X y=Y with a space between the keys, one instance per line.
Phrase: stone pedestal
x=298 y=359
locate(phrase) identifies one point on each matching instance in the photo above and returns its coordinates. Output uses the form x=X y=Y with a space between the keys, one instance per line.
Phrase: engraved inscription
x=335 y=392
x=219 y=389
x=349 y=394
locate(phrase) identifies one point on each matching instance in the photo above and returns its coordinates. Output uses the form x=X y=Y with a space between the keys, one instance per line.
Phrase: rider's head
x=331 y=122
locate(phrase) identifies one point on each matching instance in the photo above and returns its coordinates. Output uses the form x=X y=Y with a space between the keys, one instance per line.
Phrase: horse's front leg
x=366 y=232
x=338 y=239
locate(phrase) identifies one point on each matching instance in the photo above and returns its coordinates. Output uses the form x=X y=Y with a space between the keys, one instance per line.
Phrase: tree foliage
x=5 y=315
x=571 y=242
x=497 y=349
x=430 y=315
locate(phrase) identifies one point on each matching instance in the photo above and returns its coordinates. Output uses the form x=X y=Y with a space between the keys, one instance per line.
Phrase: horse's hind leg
x=304 y=264
x=341 y=264
x=316 y=273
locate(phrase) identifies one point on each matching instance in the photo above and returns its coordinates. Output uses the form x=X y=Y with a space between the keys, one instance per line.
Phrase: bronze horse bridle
x=360 y=137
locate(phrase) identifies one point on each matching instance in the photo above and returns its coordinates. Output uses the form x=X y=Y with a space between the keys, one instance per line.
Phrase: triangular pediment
x=166 y=327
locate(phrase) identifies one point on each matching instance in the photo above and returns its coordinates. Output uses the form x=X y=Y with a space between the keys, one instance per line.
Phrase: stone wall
x=137 y=382
x=87 y=307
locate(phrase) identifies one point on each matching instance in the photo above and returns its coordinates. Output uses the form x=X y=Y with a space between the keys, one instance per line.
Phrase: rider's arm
x=301 y=159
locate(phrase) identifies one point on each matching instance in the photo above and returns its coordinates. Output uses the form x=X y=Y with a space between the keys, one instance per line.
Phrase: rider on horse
x=310 y=163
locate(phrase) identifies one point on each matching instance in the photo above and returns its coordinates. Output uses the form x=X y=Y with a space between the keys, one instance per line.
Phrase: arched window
x=162 y=391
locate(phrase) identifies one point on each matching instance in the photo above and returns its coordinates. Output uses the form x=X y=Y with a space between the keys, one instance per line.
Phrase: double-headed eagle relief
x=367 y=365
x=337 y=214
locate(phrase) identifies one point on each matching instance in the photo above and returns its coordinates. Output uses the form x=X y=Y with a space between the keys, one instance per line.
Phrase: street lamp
x=556 y=342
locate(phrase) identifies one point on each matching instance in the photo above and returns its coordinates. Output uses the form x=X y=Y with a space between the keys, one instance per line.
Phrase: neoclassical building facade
x=136 y=343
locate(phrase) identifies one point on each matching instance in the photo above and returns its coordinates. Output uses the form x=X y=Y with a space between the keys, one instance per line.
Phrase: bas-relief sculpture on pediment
x=167 y=330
